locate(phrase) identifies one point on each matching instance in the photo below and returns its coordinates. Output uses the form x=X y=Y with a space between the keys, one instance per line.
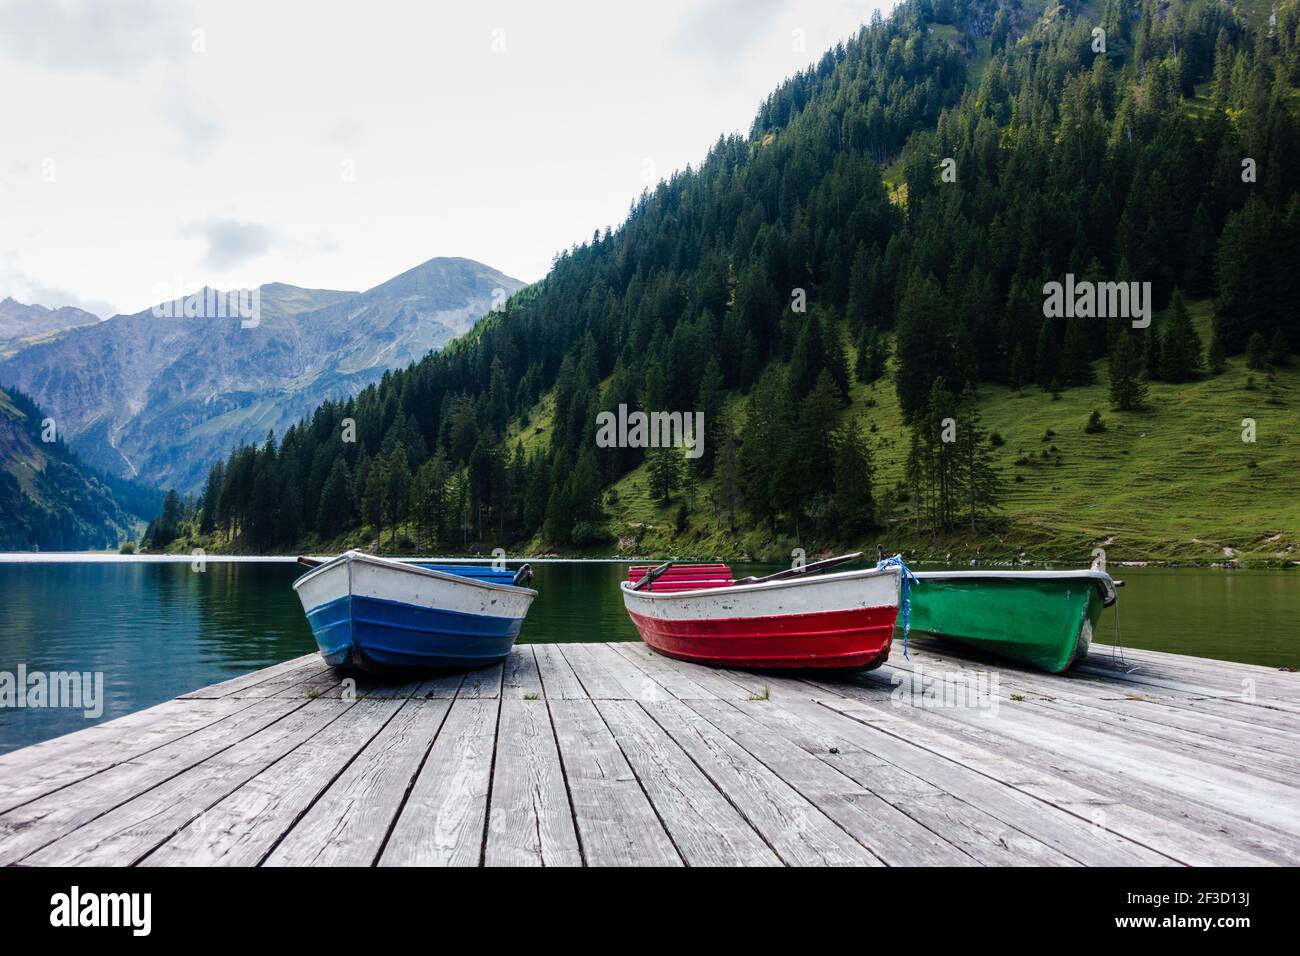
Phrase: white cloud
x=17 y=285
x=230 y=242
x=112 y=37
x=330 y=146
x=723 y=30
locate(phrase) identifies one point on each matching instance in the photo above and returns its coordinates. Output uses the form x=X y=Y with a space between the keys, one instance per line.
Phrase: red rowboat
x=700 y=613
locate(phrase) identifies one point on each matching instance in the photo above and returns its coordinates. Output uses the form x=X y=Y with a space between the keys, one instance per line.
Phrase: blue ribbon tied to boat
x=905 y=599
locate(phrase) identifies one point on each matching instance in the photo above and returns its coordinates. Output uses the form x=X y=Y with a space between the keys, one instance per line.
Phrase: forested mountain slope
x=869 y=262
x=49 y=500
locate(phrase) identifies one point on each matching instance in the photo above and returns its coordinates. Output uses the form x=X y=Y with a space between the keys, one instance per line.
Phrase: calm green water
x=159 y=630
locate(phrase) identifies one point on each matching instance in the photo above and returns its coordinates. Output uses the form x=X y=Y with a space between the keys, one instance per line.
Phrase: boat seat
x=684 y=577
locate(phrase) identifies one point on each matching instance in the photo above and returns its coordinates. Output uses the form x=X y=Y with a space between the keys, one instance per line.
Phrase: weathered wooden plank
x=798 y=831
x=1046 y=823
x=530 y=822
x=558 y=679
x=442 y=821
x=483 y=683
x=389 y=688
x=521 y=679
x=1245 y=728
x=607 y=675
x=1006 y=763
x=52 y=765
x=1231 y=745
x=1058 y=755
x=616 y=823
x=1191 y=685
x=886 y=831
x=706 y=829
x=242 y=828
x=244 y=681
x=304 y=678
x=990 y=837
x=1191 y=776
x=130 y=831
x=638 y=681
x=315 y=686
x=683 y=681
x=445 y=685
x=27 y=828
x=597 y=683
x=1230 y=675
x=348 y=825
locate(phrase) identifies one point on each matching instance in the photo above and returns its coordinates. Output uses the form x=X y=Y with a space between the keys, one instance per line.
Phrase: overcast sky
x=151 y=147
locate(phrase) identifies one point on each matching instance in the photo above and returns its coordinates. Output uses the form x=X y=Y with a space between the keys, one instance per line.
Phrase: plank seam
x=410 y=785
x=1011 y=786
x=564 y=774
x=159 y=783
x=138 y=860
x=325 y=789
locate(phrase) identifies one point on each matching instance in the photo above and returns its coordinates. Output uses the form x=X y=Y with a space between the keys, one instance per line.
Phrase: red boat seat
x=685 y=577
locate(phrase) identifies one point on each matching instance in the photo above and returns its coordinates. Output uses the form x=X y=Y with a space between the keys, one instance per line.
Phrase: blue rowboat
x=378 y=613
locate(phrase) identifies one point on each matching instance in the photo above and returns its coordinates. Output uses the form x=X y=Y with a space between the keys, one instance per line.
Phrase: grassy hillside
x=1173 y=481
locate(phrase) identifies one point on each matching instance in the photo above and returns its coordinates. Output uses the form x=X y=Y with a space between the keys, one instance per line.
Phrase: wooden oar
x=651 y=575
x=309 y=562
x=804 y=569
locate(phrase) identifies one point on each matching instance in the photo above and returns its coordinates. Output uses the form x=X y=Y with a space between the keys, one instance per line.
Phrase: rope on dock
x=905 y=598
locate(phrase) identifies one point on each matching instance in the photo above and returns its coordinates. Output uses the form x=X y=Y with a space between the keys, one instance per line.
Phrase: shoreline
x=98 y=557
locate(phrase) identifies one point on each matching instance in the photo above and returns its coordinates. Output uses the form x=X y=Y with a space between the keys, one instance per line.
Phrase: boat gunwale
x=756 y=587
x=1102 y=580
x=353 y=556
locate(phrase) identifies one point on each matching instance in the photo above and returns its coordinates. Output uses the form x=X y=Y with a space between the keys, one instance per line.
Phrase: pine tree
x=855 y=507
x=1256 y=352
x=1018 y=373
x=1216 y=362
x=663 y=467
x=1127 y=390
x=726 y=469
x=430 y=500
x=1151 y=361
x=372 y=498
x=396 y=489
x=923 y=346
x=983 y=485
x=336 y=507
x=559 y=514
x=1076 y=354
x=1180 y=352
x=1046 y=355
x=837 y=363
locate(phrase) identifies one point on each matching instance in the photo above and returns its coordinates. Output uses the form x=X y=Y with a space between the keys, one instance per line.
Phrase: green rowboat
x=1043 y=618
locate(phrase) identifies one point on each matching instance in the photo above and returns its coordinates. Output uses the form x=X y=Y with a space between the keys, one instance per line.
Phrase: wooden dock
x=607 y=754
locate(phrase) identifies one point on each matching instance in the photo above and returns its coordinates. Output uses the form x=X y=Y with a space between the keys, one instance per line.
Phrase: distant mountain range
x=158 y=396
x=21 y=325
